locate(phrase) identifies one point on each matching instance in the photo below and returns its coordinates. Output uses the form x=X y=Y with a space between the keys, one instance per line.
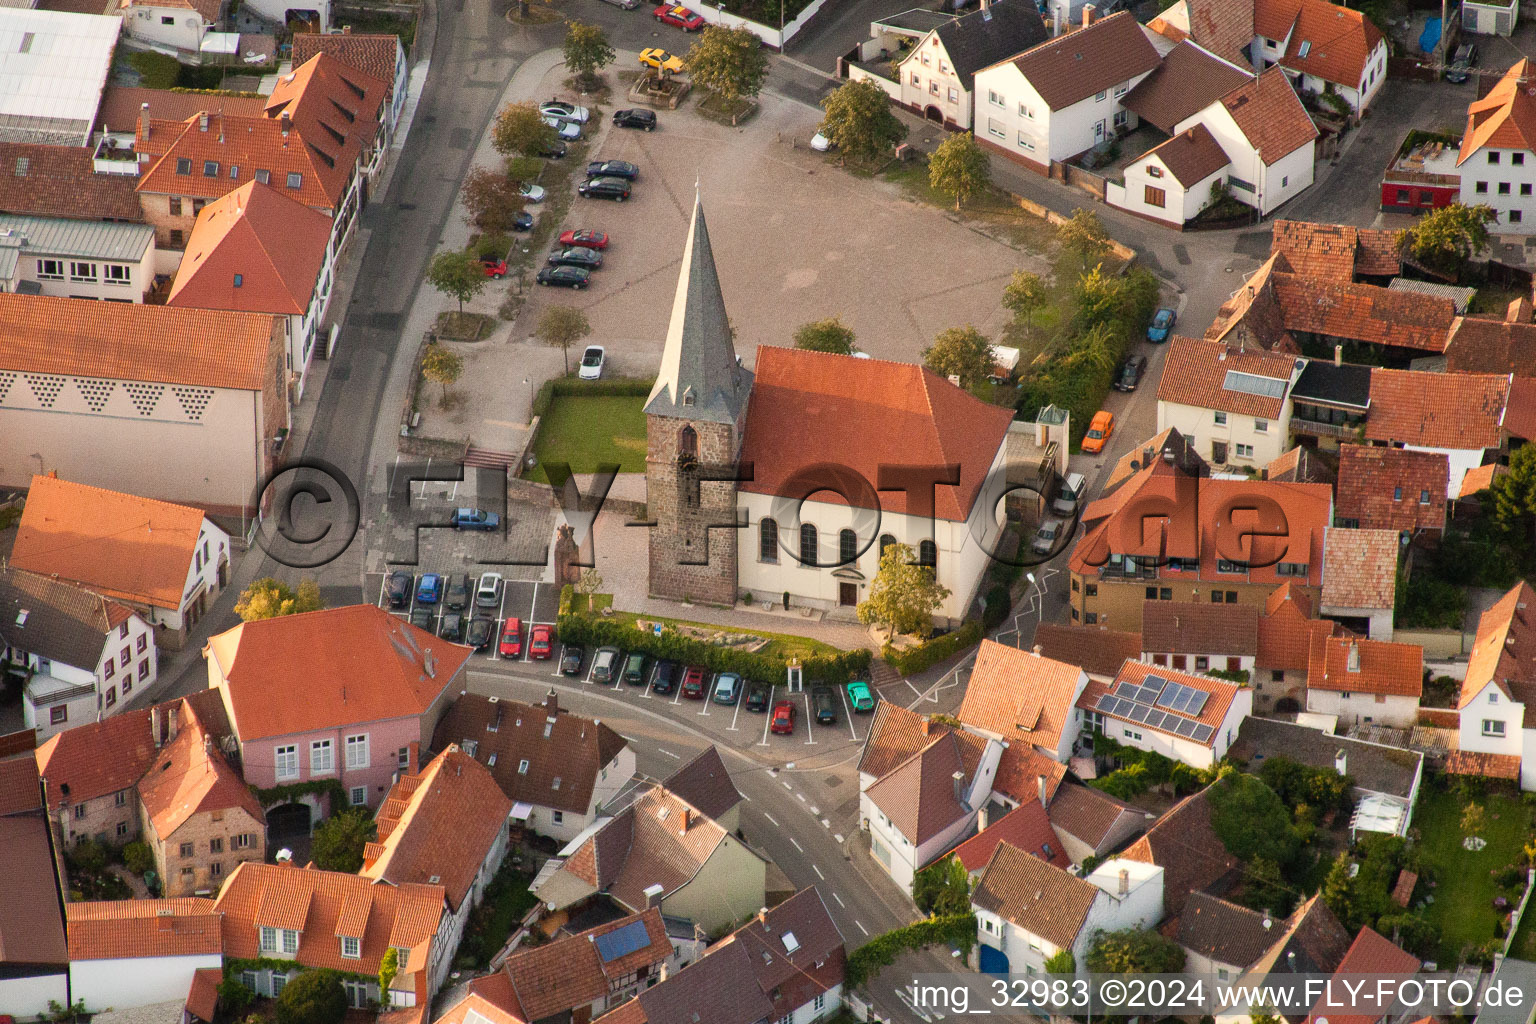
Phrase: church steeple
x=699 y=377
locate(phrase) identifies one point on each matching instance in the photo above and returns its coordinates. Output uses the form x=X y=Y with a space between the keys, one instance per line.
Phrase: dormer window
x=688 y=396
x=522 y=767
x=351 y=947
x=183 y=165
x=269 y=940
x=555 y=784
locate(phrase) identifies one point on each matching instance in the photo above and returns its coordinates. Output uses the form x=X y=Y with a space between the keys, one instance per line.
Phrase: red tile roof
x=1088 y=814
x=895 y=735
x=918 y=795
x=131 y=929
x=1360 y=568
x=1493 y=766
x=335 y=108
x=319 y=670
x=1372 y=954
x=122 y=106
x=1194 y=627
x=1191 y=156
x=1225 y=27
x=706 y=783
x=32 y=927
x=1020 y=772
x=1506 y=117
x=374 y=55
x=190 y=776
x=1479 y=479
x=119 y=545
x=1392 y=488
x=1189 y=79
x=254 y=145
x=1076 y=65
x=1286 y=630
x=1520 y=409
x=1037 y=896
x=1478 y=345
x=1336 y=252
x=1270 y=116
x=1020 y=696
x=1027 y=826
x=1436 y=410
x=1394 y=670
x=570 y=973
x=1185 y=846
x=61 y=181
x=96 y=759
x=203 y=993
x=1504 y=651
x=1219 y=694
x=1326 y=41
x=1196 y=373
x=1365 y=312
x=1098 y=650
x=863 y=414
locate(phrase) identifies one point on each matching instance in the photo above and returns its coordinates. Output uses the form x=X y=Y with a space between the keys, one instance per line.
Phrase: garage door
x=993 y=961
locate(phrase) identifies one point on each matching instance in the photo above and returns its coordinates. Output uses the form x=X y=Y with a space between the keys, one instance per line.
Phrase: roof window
x=183 y=165
x=263 y=176
x=1306 y=48
x=210 y=168
x=295 y=179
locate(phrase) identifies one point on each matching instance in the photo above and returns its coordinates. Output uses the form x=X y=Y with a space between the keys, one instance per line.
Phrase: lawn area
x=1524 y=947
x=507 y=899
x=1463 y=907
x=780 y=645
x=589 y=431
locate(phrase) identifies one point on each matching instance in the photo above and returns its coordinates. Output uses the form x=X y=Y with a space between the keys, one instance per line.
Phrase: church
x=787 y=483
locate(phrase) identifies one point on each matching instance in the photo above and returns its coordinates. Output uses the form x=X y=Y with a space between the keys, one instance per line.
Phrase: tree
x=89 y=855
x=441 y=366
x=943 y=888
x=1025 y=296
x=959 y=168
x=859 y=121
x=137 y=857
x=520 y=130
x=829 y=335
x=1445 y=239
x=1266 y=1015
x=1080 y=243
x=728 y=62
x=314 y=997
x=1339 y=889
x=1265 y=889
x=1514 y=496
x=1473 y=819
x=1251 y=821
x=270 y=598
x=234 y=997
x=457 y=274
x=962 y=352
x=389 y=966
x=492 y=199
x=586 y=52
x=588 y=583
x=339 y=840
x=1134 y=951
x=1062 y=963
x=562 y=325
x=903 y=595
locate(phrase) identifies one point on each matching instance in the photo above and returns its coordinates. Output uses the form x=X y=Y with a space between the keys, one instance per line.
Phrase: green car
x=860 y=697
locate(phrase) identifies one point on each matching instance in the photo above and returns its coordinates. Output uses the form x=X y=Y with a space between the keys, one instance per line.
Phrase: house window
x=290 y=941
x=1122 y=89
x=1025 y=142
x=187 y=849
x=122 y=631
x=933 y=87
x=358 y=796
x=994 y=99
x=268 y=940
x=1493 y=698
x=1181 y=662
x=263 y=176
x=1493 y=727
x=1122 y=118
x=215 y=869
x=1202 y=663
x=403 y=757
x=1151 y=593
x=1154 y=171
x=943 y=68
x=82 y=271
x=122 y=829
x=1503 y=188
x=1291 y=569
x=210 y=168
x=321 y=757
x=1222 y=565
x=847 y=547
x=995 y=127
x=1156 y=197
x=115 y=273
x=1244 y=451
x=123 y=657
x=1344 y=694
x=244 y=841
x=807 y=544
x=216 y=845
x=1516 y=216
x=1166 y=594
x=351 y=947
x=820 y=1002
x=1221 y=419
x=926 y=61
x=1481 y=188
x=286 y=762
x=522 y=767
x=279 y=982
x=1277 y=675
x=178 y=237
x=1090 y=589
x=1517 y=159
x=1525 y=188
x=357 y=751
x=1132 y=734
x=1404 y=196
x=954 y=95
x=166 y=19
x=295 y=179
x=1285 y=180
x=559 y=817
x=50 y=270
x=768 y=541
x=1100 y=97
x=915 y=81
x=58 y=715
x=1493 y=157
x=1261 y=426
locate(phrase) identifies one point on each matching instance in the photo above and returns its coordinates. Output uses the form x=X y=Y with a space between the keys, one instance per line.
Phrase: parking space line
x=840 y=901
x=842 y=691
x=533 y=605
x=709 y=693
x=861 y=927
x=739 y=700
x=818 y=872
x=682 y=673
x=768 y=719
x=383 y=583
x=651 y=682
x=558 y=661
x=675 y=757
x=810 y=722
x=796 y=844
x=590 y=666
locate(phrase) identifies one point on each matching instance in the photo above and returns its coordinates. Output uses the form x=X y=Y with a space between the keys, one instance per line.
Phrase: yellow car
x=661 y=60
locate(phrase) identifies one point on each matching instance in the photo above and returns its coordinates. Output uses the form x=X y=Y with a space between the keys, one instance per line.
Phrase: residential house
x=1188 y=718
x=1384 y=780
x=1303 y=465
x=175 y=24
x=559 y=769
x=1221 y=938
x=176 y=404
x=1286 y=630
x=1365 y=682
x=577 y=977
x=1496 y=161
x=75 y=649
x=1027 y=826
x=786 y=964
x=1310 y=941
x=1023 y=699
x=1233 y=404
x=1331 y=400
x=1460 y=415
x=80 y=259
x=1497 y=730
x=329 y=919
x=706 y=784
x=338 y=694
x=1478 y=345
x=1174 y=181
x=34 y=954
x=1392 y=489
x=39 y=180
x=1187 y=80
x=1189 y=636
x=1061 y=98
x=90 y=771
x=1376 y=956
x=1099 y=650
x=938 y=74
x=445 y=825
x=1168 y=453
x=1028 y=909
x=1360 y=580
x=130 y=953
x=1338 y=252
x=660 y=851
x=167 y=562
x=53 y=82
x=256 y=250
x=379 y=56
x=122 y=107
x=1091 y=823
x=1185 y=845
x=1268 y=138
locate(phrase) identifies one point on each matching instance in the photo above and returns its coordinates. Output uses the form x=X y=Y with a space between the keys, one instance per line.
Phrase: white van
x=1071 y=493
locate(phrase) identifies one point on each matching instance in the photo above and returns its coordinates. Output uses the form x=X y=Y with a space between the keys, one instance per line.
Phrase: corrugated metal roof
x=54 y=63
x=57 y=236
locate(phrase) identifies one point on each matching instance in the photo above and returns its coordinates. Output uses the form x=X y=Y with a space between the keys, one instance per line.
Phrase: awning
x=521 y=811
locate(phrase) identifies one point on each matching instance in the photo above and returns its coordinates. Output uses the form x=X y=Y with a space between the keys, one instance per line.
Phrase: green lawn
x=1463 y=907
x=507 y=899
x=589 y=431
x=780 y=645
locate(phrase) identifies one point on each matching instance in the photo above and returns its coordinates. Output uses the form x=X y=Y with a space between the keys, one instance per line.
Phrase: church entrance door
x=847 y=594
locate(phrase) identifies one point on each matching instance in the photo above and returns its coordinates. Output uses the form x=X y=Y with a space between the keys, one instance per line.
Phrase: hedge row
x=580 y=629
x=882 y=950
x=914 y=659
x=575 y=386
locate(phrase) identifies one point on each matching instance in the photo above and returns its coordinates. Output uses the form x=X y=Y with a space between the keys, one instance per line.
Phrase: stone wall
x=689 y=560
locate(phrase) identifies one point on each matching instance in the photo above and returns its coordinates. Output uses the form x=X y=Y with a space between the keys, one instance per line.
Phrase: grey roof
x=1459 y=296
x=1224 y=932
x=918 y=21
x=714 y=989
x=990 y=34
x=1516 y=974
x=63 y=622
x=1373 y=766
x=700 y=378
x=1321 y=381
x=91 y=239
x=705 y=783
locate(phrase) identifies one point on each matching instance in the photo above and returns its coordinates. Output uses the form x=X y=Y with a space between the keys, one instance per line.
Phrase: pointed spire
x=699 y=377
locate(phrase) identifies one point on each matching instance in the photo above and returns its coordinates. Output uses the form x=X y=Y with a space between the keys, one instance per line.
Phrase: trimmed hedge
x=915 y=659
x=579 y=629
x=557 y=387
x=882 y=950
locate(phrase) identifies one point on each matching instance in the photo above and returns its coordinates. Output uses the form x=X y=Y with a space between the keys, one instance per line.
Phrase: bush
x=234 y=997
x=138 y=858
x=882 y=950
x=494 y=244
x=915 y=659
x=88 y=855
x=314 y=997
x=562 y=387
x=525 y=169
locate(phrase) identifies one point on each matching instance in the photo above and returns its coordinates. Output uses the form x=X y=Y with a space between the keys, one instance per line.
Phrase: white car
x=592 y=363
x=488 y=593
x=1046 y=537
x=533 y=193
x=567 y=130
x=562 y=111
x=820 y=143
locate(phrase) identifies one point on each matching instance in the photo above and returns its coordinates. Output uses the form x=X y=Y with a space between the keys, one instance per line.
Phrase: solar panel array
x=1181 y=698
x=1136 y=704
x=1253 y=384
x=622 y=941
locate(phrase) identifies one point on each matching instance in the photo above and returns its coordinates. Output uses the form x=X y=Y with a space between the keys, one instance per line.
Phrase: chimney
x=1341 y=763
x=1125 y=881
x=144 y=121
x=662 y=975
x=552 y=703
x=154 y=725
x=172 y=723
x=1040 y=790
x=1035 y=650
x=1338 y=355
x=1055 y=20
x=202 y=121
x=1087 y=15
x=1221 y=356
x=652 y=895
x=1354 y=657
x=959 y=778
x=762 y=915
x=927 y=727
x=346 y=30
x=682 y=822
x=981 y=820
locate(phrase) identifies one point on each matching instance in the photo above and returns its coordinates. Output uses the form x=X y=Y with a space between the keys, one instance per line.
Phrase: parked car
x=532 y=193
x=1462 y=63
x=605 y=664
x=488 y=593
x=523 y=221
x=564 y=277
x=541 y=642
x=757 y=696
x=627 y=5
x=475 y=519
x=657 y=58
x=1070 y=494
x=613 y=169
x=512 y=638
x=493 y=266
x=860 y=696
x=616 y=189
x=584 y=238
x=783 y=721
x=479 y=633
x=567 y=131
x=1099 y=428
x=1131 y=372
x=1046 y=537
x=820 y=143
x=635 y=667
x=592 y=361
x=682 y=17
x=458 y=591
x=398 y=588
x=560 y=110
x=727 y=688
x=1161 y=325
x=642 y=119
x=666 y=677
x=421 y=618
x=429 y=589
x=571 y=658
x=693 y=683
x=824 y=702
x=576 y=257
x=554 y=151
x=452 y=627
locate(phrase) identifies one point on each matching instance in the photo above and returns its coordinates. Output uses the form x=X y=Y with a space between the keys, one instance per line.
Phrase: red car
x=494 y=267
x=540 y=641
x=512 y=639
x=682 y=17
x=584 y=239
x=693 y=683
x=783 y=721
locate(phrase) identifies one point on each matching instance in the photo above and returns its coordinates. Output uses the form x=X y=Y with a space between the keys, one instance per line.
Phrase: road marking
x=709 y=693
x=743 y=796
x=913 y=688
x=810 y=723
x=815 y=811
x=861 y=927
x=796 y=845
x=647 y=694
x=382 y=584
x=840 y=901
x=826 y=823
x=675 y=757
x=842 y=691
x=739 y=700
x=767 y=720
x=590 y=666
x=787 y=786
x=628 y=739
x=770 y=818
x=838 y=836
x=818 y=872
x=800 y=797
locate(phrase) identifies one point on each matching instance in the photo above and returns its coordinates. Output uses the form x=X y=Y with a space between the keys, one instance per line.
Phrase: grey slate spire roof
x=699 y=377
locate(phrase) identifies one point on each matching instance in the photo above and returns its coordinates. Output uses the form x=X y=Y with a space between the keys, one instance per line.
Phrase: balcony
x=1319 y=429
x=1127 y=571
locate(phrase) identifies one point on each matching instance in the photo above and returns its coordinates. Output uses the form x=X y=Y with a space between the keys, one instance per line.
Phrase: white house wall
x=61 y=280
x=928 y=79
x=29 y=997
x=1288 y=177
x=139 y=981
x=1180 y=205
x=1491 y=706
x=1357 y=708
x=1462 y=460
x=1200 y=426
x=184 y=32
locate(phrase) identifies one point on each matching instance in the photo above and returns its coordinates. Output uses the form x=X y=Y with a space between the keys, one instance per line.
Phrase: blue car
x=475 y=519
x=430 y=588
x=1161 y=325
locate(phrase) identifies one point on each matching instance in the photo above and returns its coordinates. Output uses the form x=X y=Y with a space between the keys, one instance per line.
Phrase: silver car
x=1046 y=537
x=627 y=5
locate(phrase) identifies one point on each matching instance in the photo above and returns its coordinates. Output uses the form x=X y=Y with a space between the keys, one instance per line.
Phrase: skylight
x=790 y=942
